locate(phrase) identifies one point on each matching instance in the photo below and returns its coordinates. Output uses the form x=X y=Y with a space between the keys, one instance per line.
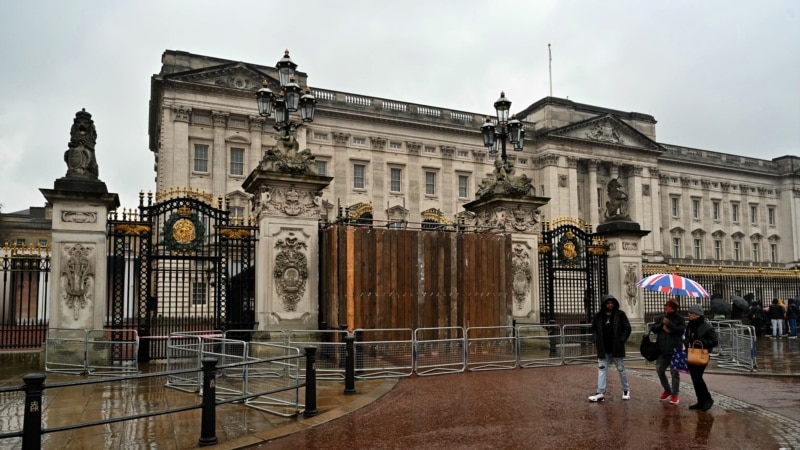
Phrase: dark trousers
x=700 y=388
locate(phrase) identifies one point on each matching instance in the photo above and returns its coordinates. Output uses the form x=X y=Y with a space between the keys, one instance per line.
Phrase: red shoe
x=673 y=400
x=664 y=395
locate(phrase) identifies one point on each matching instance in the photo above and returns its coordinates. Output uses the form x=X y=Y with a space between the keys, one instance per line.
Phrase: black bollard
x=32 y=418
x=349 y=366
x=208 y=421
x=311 y=382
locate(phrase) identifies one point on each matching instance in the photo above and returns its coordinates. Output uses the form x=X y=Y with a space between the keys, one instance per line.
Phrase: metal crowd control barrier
x=274 y=368
x=724 y=334
x=184 y=352
x=331 y=352
x=491 y=348
x=384 y=353
x=112 y=352
x=439 y=350
x=65 y=351
x=231 y=381
x=741 y=353
x=576 y=345
x=537 y=345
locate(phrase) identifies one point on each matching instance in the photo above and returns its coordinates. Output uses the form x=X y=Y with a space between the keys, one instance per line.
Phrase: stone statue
x=291 y=159
x=503 y=181
x=80 y=159
x=617 y=204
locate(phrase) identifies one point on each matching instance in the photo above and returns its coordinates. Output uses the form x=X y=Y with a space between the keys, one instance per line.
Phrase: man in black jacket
x=611 y=329
x=669 y=327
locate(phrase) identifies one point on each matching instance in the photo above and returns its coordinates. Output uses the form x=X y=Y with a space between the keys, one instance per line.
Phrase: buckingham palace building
x=408 y=162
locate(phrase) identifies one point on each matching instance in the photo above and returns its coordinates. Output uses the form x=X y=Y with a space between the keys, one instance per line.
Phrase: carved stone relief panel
x=290 y=270
x=77 y=277
x=521 y=267
x=631 y=277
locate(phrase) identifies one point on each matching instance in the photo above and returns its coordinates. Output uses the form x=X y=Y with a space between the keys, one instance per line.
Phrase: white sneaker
x=626 y=395
x=597 y=398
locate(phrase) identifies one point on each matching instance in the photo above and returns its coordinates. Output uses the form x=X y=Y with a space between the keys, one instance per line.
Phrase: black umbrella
x=740 y=302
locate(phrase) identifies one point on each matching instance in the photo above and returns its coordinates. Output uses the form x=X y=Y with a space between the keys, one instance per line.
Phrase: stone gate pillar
x=81 y=202
x=624 y=238
x=287 y=203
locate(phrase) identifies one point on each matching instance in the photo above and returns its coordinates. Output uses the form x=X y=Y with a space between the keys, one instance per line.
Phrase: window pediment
x=677 y=231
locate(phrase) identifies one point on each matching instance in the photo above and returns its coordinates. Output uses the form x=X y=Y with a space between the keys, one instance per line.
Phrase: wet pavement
x=520 y=408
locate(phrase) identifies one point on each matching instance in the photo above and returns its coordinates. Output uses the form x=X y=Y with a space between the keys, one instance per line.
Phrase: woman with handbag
x=700 y=338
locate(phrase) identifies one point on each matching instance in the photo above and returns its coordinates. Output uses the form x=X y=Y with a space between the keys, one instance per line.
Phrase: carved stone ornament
x=78 y=217
x=631 y=291
x=290 y=202
x=290 y=159
x=521 y=267
x=184 y=232
x=604 y=132
x=504 y=182
x=80 y=158
x=77 y=279
x=501 y=219
x=291 y=271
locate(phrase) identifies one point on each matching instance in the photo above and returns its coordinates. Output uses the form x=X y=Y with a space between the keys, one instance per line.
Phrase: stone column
x=341 y=181
x=572 y=186
x=219 y=161
x=636 y=202
x=594 y=210
x=180 y=133
x=81 y=202
x=624 y=239
x=256 y=134
x=287 y=208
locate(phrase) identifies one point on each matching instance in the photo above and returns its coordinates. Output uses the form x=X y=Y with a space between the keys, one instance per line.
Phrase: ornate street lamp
x=290 y=99
x=496 y=135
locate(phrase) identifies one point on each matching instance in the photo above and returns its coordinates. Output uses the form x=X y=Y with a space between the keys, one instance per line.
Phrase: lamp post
x=504 y=131
x=291 y=98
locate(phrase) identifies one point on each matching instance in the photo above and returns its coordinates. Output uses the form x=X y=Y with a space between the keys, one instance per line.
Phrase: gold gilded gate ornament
x=184 y=231
x=569 y=249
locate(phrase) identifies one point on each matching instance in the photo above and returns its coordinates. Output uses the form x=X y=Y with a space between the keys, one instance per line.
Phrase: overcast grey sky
x=716 y=75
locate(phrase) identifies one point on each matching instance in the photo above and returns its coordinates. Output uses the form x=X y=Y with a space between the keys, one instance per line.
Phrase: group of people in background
x=611 y=330
x=779 y=318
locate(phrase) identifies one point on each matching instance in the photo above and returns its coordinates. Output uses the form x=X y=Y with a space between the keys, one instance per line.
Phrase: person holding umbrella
x=698 y=329
x=669 y=328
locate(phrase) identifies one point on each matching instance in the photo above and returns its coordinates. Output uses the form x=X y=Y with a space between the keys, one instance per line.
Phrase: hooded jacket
x=620 y=325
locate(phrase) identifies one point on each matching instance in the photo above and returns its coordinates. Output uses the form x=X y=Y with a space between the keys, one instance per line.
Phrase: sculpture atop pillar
x=504 y=182
x=80 y=159
x=617 y=204
x=291 y=159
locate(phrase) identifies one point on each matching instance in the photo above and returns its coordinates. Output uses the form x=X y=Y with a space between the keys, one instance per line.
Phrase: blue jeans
x=793 y=327
x=664 y=361
x=602 y=373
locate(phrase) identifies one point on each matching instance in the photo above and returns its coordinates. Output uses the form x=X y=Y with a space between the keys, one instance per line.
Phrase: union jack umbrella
x=672 y=284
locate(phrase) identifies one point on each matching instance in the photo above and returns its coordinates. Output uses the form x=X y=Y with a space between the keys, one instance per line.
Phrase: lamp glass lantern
x=502 y=106
x=265 y=97
x=488 y=133
x=285 y=68
x=308 y=106
x=281 y=112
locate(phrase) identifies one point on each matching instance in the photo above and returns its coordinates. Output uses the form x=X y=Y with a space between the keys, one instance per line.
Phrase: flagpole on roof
x=550 y=67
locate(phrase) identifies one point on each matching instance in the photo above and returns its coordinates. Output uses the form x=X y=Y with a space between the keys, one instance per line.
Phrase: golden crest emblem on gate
x=184 y=231
x=569 y=249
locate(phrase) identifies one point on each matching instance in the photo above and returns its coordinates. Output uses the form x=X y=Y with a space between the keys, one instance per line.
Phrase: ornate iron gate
x=179 y=265
x=573 y=271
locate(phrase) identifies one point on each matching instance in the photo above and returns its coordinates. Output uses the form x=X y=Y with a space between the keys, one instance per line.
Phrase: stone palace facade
x=411 y=162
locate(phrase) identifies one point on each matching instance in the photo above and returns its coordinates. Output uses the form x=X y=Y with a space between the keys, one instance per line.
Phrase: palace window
x=735 y=212
x=42 y=242
x=395 y=179
x=715 y=210
x=199 y=293
x=737 y=251
x=359 y=141
x=430 y=183
x=698 y=249
x=717 y=249
x=773 y=252
x=756 y=252
x=462 y=154
x=237 y=161
x=676 y=247
x=771 y=216
x=395 y=145
x=754 y=214
x=320 y=136
x=430 y=149
x=359 y=174
x=201 y=158
x=675 y=206
x=463 y=186
x=322 y=168
x=696 y=208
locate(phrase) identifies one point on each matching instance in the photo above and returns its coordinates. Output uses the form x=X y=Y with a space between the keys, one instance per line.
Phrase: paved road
x=547 y=408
